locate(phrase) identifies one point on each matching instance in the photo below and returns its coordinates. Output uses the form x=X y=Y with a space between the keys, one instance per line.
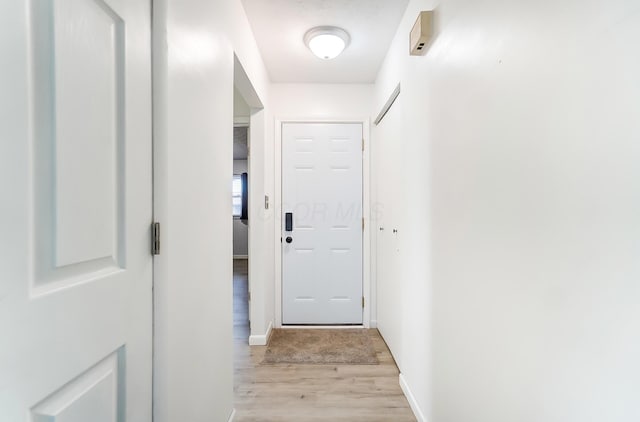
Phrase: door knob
x=289 y=239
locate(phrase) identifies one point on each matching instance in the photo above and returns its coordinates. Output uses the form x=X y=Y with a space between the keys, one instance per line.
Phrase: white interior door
x=322 y=251
x=387 y=152
x=75 y=177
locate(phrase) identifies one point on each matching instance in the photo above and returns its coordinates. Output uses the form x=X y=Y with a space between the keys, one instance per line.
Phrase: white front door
x=75 y=177
x=322 y=223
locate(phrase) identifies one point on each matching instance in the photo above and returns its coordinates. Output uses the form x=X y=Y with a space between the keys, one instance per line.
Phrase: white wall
x=311 y=102
x=241 y=109
x=320 y=101
x=240 y=230
x=521 y=139
x=261 y=262
x=194 y=45
x=402 y=198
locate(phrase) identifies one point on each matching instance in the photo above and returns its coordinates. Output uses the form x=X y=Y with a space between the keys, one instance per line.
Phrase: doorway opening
x=240 y=199
x=246 y=190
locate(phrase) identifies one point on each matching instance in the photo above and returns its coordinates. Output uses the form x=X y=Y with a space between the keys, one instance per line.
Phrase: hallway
x=484 y=214
x=309 y=392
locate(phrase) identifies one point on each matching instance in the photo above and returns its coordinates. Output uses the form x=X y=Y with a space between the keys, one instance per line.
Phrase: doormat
x=320 y=347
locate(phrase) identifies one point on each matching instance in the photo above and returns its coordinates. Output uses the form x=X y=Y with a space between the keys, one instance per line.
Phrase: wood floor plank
x=309 y=393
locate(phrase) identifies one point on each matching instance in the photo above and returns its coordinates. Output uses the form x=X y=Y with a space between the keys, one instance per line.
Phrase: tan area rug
x=320 y=346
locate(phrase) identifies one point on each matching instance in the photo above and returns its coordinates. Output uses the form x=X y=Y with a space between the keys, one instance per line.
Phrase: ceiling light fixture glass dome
x=326 y=42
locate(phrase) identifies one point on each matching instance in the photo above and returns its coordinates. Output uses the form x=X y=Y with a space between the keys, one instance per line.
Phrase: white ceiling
x=279 y=25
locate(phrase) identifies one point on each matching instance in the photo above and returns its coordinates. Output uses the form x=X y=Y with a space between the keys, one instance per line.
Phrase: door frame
x=367 y=290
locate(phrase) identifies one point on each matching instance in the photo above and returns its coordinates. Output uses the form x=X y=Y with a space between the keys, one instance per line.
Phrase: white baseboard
x=412 y=400
x=261 y=339
x=240 y=256
x=373 y=323
x=321 y=327
x=233 y=415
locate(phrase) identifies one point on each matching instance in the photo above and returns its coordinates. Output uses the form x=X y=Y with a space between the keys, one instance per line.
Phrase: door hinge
x=155 y=238
x=249 y=296
x=362 y=302
x=363 y=144
x=362 y=223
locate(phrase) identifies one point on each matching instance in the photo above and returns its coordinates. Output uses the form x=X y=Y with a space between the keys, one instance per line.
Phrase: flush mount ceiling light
x=326 y=42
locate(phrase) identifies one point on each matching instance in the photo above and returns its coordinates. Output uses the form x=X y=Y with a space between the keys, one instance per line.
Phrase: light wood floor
x=241 y=300
x=310 y=392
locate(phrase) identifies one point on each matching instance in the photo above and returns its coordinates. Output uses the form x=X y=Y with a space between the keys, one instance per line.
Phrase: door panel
x=322 y=188
x=92 y=396
x=88 y=50
x=387 y=147
x=75 y=295
x=78 y=115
